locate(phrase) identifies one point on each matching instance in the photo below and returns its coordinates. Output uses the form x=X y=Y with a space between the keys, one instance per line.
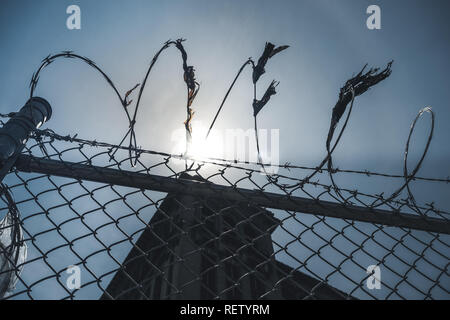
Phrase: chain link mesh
x=135 y=243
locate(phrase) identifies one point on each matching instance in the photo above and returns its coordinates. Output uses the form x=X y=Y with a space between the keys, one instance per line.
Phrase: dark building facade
x=199 y=248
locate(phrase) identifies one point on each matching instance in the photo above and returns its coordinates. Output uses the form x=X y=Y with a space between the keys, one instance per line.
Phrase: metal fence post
x=14 y=134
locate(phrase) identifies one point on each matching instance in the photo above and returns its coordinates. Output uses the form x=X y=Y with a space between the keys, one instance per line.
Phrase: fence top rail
x=232 y=193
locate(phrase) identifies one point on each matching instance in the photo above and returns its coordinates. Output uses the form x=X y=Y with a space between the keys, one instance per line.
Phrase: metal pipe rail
x=264 y=199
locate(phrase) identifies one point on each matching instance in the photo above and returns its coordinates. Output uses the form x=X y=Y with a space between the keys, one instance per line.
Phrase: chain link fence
x=83 y=219
x=211 y=229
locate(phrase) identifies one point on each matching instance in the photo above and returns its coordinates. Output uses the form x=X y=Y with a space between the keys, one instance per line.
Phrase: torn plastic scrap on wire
x=259 y=104
x=269 y=52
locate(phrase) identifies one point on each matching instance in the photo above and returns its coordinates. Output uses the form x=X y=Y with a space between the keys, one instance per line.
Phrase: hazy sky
x=329 y=42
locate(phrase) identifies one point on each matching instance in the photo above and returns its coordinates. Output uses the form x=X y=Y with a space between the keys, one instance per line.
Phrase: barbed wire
x=355 y=86
x=105 y=208
x=363 y=81
x=192 y=85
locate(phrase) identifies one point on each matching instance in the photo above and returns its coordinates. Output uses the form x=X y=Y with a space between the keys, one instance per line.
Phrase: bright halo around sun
x=200 y=148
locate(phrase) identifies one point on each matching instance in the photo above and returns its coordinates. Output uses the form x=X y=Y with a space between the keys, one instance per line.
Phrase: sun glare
x=200 y=148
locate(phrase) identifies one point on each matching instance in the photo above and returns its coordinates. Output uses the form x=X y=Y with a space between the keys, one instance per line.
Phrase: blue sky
x=328 y=42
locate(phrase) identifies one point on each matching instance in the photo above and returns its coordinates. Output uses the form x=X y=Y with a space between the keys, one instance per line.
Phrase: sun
x=200 y=147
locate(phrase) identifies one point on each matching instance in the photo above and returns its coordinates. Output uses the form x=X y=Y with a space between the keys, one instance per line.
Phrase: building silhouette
x=198 y=248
